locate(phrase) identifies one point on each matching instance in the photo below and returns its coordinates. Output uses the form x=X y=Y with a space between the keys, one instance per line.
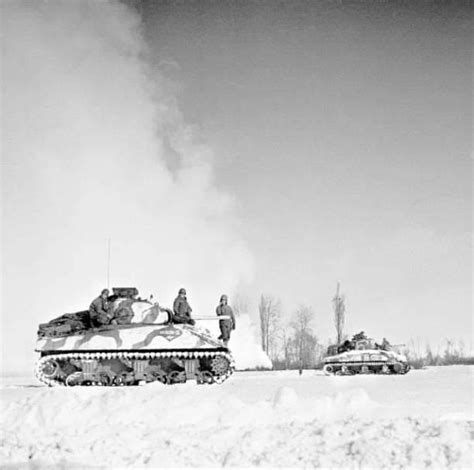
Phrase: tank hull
x=132 y=354
x=366 y=362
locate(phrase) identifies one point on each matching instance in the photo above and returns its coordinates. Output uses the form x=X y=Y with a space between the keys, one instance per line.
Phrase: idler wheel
x=328 y=369
x=220 y=365
x=50 y=368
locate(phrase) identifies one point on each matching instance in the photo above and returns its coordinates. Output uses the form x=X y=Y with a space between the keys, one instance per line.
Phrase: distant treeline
x=451 y=353
x=419 y=363
x=290 y=340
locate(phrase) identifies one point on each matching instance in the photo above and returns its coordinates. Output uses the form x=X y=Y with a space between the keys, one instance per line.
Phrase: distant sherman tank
x=363 y=356
x=147 y=348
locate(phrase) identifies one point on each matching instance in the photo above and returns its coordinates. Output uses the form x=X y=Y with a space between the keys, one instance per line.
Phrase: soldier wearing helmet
x=228 y=324
x=181 y=309
x=98 y=310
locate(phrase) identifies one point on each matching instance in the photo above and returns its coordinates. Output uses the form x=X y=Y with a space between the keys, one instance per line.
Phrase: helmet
x=182 y=291
x=105 y=291
x=223 y=297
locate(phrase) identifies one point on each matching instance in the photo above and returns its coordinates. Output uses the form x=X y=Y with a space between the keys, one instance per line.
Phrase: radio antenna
x=108 y=263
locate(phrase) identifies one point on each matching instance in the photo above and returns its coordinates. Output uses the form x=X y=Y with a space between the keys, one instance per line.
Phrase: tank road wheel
x=157 y=376
x=343 y=370
x=204 y=377
x=328 y=369
x=364 y=370
x=385 y=369
x=50 y=368
x=176 y=377
x=118 y=381
x=220 y=365
x=154 y=373
x=74 y=379
x=397 y=368
x=104 y=380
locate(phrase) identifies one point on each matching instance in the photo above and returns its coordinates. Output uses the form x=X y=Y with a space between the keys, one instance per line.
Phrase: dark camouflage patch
x=113 y=333
x=169 y=332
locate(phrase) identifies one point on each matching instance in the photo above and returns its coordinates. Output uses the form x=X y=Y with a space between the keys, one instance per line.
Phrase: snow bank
x=213 y=426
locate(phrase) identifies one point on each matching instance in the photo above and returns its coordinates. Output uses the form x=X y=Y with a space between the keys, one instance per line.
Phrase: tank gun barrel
x=207 y=317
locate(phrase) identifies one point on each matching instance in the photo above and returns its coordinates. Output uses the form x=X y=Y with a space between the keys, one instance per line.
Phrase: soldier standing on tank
x=386 y=346
x=228 y=324
x=181 y=309
x=98 y=310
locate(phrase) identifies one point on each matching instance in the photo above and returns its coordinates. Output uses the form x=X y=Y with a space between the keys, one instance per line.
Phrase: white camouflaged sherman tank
x=148 y=348
x=365 y=357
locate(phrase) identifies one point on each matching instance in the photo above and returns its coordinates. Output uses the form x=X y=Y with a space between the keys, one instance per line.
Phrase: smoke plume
x=95 y=149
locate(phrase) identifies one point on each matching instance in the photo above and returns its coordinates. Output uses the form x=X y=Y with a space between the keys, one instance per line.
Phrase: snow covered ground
x=255 y=419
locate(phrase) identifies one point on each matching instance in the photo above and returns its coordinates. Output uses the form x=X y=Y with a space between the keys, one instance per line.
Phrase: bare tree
x=286 y=346
x=339 y=314
x=449 y=351
x=275 y=336
x=305 y=342
x=269 y=310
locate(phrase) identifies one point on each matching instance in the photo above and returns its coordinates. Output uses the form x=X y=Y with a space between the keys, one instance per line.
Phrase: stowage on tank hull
x=371 y=361
x=131 y=354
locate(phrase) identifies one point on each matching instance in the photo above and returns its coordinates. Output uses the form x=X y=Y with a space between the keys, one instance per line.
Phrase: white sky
x=281 y=147
x=344 y=131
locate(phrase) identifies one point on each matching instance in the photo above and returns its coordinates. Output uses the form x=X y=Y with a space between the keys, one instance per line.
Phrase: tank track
x=90 y=368
x=348 y=368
